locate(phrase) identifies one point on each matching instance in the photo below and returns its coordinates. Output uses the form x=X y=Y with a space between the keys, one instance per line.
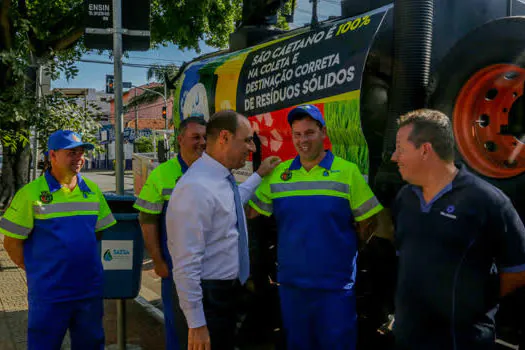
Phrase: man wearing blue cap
x=50 y=231
x=323 y=208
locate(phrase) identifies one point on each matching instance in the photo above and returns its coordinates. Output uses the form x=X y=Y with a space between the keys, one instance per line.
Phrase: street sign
x=107 y=134
x=135 y=24
x=99 y=13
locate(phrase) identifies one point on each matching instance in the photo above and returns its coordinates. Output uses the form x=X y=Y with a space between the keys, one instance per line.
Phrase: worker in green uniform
x=324 y=209
x=49 y=231
x=152 y=203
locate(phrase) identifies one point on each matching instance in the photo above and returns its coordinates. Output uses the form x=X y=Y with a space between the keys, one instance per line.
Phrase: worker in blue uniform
x=323 y=208
x=50 y=231
x=152 y=203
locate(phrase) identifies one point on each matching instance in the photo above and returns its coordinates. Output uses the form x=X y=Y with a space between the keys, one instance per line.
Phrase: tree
x=67 y=114
x=30 y=33
x=144 y=144
x=49 y=32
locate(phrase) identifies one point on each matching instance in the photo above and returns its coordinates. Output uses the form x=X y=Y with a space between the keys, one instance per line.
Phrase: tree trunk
x=15 y=171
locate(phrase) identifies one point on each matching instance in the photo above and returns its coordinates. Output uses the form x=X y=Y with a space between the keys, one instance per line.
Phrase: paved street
x=106 y=180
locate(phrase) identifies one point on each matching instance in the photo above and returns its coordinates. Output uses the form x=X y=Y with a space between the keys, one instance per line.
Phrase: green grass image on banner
x=343 y=124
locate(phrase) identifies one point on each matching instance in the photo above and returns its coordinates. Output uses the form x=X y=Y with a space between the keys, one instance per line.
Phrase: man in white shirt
x=207 y=235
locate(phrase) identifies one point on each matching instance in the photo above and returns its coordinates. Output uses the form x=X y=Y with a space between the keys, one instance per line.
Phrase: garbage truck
x=362 y=70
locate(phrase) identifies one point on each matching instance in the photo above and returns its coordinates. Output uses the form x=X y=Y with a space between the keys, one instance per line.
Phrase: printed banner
x=306 y=67
x=321 y=66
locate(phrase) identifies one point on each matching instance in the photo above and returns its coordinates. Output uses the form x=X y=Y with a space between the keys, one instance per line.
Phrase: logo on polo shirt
x=286 y=175
x=46 y=197
x=449 y=212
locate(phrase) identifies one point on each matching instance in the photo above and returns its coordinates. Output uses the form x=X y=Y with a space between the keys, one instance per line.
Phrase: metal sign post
x=119 y=122
x=119 y=146
x=129 y=28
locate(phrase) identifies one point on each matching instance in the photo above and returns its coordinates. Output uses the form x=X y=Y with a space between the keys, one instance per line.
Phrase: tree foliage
x=144 y=144
x=185 y=23
x=67 y=114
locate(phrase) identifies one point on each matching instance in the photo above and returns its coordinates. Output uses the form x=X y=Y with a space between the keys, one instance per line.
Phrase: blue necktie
x=244 y=256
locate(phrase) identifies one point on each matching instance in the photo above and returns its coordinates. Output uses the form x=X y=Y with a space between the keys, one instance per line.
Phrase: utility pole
x=315 y=20
x=166 y=138
x=136 y=122
x=166 y=97
x=119 y=122
x=119 y=146
x=35 y=134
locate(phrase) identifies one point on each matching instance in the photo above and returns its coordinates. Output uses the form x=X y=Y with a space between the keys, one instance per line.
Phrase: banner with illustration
x=321 y=66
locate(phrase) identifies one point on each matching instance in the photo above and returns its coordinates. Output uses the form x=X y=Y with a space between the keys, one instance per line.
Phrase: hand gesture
x=268 y=165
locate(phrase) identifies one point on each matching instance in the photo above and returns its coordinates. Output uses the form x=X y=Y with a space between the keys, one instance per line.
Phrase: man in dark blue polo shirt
x=460 y=241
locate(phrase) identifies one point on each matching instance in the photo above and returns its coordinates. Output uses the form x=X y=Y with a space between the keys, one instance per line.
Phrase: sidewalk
x=143 y=330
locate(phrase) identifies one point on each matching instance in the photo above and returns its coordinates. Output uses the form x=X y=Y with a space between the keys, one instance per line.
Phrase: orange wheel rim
x=486 y=122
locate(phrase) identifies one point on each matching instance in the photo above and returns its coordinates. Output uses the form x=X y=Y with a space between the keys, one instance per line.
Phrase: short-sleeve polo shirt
x=156 y=193
x=60 y=249
x=450 y=251
x=315 y=212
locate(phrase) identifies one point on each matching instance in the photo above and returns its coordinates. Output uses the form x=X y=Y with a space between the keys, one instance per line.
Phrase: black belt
x=221 y=283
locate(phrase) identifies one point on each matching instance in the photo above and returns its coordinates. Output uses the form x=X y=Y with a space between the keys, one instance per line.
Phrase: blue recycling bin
x=122 y=250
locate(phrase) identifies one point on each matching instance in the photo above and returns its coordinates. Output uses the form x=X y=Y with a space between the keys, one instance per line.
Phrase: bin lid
x=120 y=203
x=119 y=197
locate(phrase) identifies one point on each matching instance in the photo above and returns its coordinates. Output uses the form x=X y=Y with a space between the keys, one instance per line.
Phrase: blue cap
x=310 y=110
x=66 y=139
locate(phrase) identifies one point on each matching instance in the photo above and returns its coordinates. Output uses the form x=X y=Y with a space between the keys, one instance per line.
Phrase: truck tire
x=479 y=85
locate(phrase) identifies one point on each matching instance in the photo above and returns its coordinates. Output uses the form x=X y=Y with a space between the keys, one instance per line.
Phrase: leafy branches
x=66 y=113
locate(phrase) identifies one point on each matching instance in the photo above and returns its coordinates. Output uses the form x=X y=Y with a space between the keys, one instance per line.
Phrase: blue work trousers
x=170 y=331
x=318 y=319
x=49 y=321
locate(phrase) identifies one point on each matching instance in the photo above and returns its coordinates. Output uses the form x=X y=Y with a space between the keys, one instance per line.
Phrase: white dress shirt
x=202 y=233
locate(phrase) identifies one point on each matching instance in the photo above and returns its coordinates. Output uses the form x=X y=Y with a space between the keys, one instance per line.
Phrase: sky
x=92 y=75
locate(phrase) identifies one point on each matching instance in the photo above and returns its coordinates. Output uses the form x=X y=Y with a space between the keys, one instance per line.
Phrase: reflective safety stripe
x=267 y=207
x=167 y=191
x=148 y=205
x=105 y=221
x=66 y=207
x=14 y=228
x=366 y=207
x=310 y=185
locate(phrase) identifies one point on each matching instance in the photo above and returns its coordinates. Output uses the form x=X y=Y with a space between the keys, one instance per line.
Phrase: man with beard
x=207 y=234
x=49 y=231
x=152 y=203
x=323 y=208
